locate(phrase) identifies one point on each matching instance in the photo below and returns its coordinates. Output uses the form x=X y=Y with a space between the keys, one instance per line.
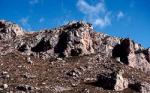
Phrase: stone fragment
x=29 y=60
x=61 y=89
x=5 y=86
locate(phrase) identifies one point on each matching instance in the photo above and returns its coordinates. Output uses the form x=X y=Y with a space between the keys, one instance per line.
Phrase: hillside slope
x=72 y=58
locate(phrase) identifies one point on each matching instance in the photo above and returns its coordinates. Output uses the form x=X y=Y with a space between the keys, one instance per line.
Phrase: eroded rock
x=9 y=30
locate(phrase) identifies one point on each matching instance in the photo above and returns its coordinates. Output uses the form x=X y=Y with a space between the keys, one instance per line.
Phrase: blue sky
x=123 y=18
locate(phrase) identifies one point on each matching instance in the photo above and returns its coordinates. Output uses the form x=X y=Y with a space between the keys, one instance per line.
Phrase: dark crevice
x=76 y=52
x=23 y=48
x=62 y=44
x=116 y=51
x=2 y=25
x=3 y=31
x=42 y=46
x=136 y=87
x=147 y=55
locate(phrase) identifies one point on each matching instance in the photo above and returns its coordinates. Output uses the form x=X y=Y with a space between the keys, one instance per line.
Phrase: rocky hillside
x=72 y=58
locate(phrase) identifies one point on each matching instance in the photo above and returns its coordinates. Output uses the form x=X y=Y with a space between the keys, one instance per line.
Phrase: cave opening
x=42 y=46
x=122 y=50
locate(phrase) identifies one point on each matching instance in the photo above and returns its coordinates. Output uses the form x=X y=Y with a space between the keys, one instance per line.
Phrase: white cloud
x=33 y=2
x=88 y=9
x=102 y=21
x=96 y=14
x=120 y=15
x=24 y=22
x=42 y=19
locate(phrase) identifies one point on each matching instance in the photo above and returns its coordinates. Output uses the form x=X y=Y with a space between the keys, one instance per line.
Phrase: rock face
x=9 y=30
x=74 y=39
x=112 y=81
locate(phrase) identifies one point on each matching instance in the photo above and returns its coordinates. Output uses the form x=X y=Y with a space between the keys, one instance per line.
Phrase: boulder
x=112 y=81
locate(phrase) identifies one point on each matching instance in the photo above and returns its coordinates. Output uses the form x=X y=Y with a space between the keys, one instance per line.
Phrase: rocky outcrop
x=74 y=39
x=9 y=30
x=132 y=54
